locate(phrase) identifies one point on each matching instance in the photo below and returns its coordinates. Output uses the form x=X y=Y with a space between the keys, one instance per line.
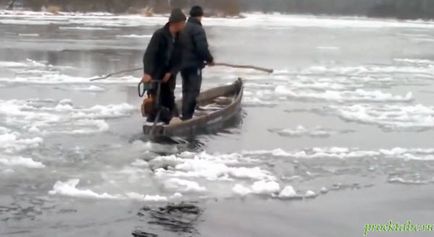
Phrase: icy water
x=349 y=107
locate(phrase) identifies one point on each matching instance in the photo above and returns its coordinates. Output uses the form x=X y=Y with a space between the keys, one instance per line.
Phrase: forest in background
x=407 y=9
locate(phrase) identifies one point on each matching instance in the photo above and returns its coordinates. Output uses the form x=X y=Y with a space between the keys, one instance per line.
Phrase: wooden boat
x=216 y=107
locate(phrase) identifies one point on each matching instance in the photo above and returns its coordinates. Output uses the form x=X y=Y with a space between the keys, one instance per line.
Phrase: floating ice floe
x=301 y=131
x=346 y=153
x=28 y=63
x=262 y=187
x=48 y=116
x=40 y=72
x=366 y=70
x=245 y=174
x=14 y=161
x=310 y=194
x=210 y=167
x=91 y=88
x=412 y=61
x=241 y=190
x=400 y=180
x=288 y=192
x=142 y=197
x=83 y=28
x=265 y=187
x=388 y=115
x=134 y=36
x=12 y=142
x=256 y=102
x=184 y=186
x=358 y=95
x=69 y=188
x=328 y=48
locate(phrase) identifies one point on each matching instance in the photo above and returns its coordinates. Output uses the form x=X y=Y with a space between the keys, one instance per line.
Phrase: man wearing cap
x=162 y=61
x=195 y=56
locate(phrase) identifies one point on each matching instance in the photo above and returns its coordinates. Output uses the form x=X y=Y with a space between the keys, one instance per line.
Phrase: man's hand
x=146 y=78
x=210 y=64
x=167 y=77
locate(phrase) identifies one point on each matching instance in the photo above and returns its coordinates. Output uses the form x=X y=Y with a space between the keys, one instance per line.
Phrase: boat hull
x=210 y=122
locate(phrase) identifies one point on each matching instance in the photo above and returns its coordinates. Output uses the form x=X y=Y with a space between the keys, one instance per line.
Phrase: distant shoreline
x=241 y=16
x=238 y=8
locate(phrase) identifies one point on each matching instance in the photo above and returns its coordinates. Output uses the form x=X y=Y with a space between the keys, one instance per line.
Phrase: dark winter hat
x=196 y=11
x=177 y=16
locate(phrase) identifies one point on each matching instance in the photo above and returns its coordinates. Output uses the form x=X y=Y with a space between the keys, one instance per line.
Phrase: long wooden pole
x=103 y=77
x=115 y=73
x=268 y=70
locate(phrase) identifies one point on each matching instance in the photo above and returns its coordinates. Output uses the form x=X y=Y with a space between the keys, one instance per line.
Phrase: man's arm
x=151 y=53
x=201 y=43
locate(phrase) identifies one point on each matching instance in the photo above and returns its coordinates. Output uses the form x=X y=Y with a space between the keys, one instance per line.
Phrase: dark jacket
x=194 y=41
x=163 y=54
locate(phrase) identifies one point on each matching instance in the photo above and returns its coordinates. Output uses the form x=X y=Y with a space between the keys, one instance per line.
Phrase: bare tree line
x=377 y=8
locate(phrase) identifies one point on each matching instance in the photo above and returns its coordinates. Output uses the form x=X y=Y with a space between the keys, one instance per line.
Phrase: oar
x=245 y=67
x=115 y=73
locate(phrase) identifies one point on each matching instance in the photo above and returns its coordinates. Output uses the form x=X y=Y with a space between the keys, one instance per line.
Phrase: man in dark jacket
x=195 y=56
x=162 y=61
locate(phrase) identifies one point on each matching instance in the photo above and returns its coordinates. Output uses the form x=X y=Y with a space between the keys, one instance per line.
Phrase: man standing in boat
x=196 y=56
x=162 y=61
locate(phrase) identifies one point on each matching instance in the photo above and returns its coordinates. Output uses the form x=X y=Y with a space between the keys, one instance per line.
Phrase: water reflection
x=179 y=218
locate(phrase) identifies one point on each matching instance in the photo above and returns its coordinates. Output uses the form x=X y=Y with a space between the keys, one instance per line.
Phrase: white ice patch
x=347 y=153
x=328 y=48
x=416 y=61
x=134 y=36
x=400 y=180
x=210 y=167
x=184 y=186
x=358 y=95
x=70 y=189
x=241 y=190
x=28 y=64
x=301 y=131
x=6 y=64
x=310 y=194
x=389 y=116
x=265 y=187
x=288 y=192
x=366 y=70
x=91 y=88
x=148 y=198
x=12 y=142
x=40 y=72
x=262 y=187
x=29 y=35
x=257 y=102
x=83 y=28
x=47 y=116
x=20 y=162
x=56 y=77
